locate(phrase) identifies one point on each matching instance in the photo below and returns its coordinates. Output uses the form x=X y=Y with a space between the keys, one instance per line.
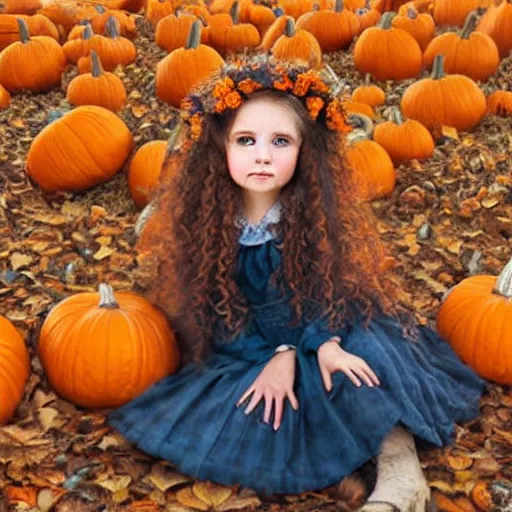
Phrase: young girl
x=299 y=362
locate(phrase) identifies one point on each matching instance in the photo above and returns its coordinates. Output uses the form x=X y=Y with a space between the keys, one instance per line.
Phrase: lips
x=263 y=174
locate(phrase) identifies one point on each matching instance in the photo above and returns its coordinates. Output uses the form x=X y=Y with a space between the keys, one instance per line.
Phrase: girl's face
x=263 y=146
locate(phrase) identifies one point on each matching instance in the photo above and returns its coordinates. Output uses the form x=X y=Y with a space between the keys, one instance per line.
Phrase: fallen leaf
x=459 y=463
x=444 y=503
x=47 y=417
x=164 y=479
x=115 y=483
x=212 y=494
x=47 y=498
x=482 y=497
x=186 y=497
x=26 y=495
x=239 y=503
x=108 y=441
x=103 y=252
x=19 y=260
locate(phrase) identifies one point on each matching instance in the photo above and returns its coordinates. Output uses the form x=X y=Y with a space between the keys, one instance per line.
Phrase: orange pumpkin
x=35 y=64
x=373 y=169
x=500 y=103
x=38 y=25
x=86 y=146
x=448 y=12
x=126 y=23
x=372 y=95
x=99 y=350
x=145 y=169
x=296 y=8
x=172 y=31
x=158 y=9
x=97 y=88
x=333 y=29
x=497 y=23
x=22 y=6
x=444 y=100
x=184 y=68
x=298 y=45
x=475 y=317
x=404 y=140
x=274 y=32
x=421 y=26
x=14 y=368
x=469 y=53
x=367 y=16
x=5 y=97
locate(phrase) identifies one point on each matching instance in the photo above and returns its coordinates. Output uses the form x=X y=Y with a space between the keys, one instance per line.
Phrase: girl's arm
x=317 y=333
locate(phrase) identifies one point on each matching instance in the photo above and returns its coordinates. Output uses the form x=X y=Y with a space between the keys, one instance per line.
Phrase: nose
x=262 y=153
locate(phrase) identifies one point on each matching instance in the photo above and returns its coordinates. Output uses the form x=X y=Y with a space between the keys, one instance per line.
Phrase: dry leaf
x=142 y=506
x=186 y=497
x=239 y=503
x=164 y=479
x=47 y=498
x=503 y=435
x=442 y=486
x=459 y=463
x=26 y=495
x=103 y=252
x=121 y=495
x=444 y=503
x=47 y=417
x=482 y=497
x=19 y=260
x=108 y=441
x=116 y=483
x=212 y=494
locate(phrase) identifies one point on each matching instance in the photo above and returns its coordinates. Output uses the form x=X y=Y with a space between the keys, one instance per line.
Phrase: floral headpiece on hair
x=247 y=73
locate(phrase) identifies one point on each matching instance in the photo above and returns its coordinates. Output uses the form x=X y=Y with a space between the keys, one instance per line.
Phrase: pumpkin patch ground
x=449 y=217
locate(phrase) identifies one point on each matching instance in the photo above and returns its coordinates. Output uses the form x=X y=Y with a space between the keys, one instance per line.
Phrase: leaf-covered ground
x=449 y=217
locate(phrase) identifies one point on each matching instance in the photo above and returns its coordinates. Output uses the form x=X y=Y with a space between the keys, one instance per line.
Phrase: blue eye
x=281 y=141
x=244 y=140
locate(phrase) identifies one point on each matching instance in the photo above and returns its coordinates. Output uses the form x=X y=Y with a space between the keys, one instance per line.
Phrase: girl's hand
x=332 y=358
x=275 y=382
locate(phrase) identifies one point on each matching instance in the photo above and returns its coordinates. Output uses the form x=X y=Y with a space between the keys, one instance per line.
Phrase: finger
x=255 y=400
x=361 y=373
x=370 y=378
x=350 y=374
x=293 y=400
x=268 y=408
x=278 y=413
x=326 y=377
x=244 y=397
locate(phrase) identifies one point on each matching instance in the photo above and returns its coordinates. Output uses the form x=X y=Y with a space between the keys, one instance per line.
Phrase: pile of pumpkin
x=395 y=41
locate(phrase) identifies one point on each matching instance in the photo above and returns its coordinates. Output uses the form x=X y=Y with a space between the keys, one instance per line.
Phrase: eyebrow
x=278 y=134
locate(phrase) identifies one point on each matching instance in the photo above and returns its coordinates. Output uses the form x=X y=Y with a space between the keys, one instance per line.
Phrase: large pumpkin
x=475 y=317
x=38 y=25
x=86 y=146
x=497 y=23
x=14 y=368
x=99 y=350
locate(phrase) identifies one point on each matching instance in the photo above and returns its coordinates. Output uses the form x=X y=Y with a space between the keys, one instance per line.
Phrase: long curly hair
x=332 y=255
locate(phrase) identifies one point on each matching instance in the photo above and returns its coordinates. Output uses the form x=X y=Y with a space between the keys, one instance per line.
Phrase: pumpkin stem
x=338 y=6
x=469 y=25
x=97 y=68
x=504 y=283
x=100 y=8
x=396 y=116
x=367 y=79
x=367 y=5
x=411 y=13
x=112 y=27
x=316 y=6
x=385 y=21
x=234 y=12
x=289 y=28
x=87 y=33
x=24 y=32
x=438 y=67
x=363 y=126
x=107 y=297
x=194 y=36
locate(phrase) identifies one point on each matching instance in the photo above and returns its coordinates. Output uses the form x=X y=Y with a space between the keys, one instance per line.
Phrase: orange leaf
x=445 y=504
x=459 y=463
x=186 y=497
x=22 y=494
x=482 y=497
x=210 y=493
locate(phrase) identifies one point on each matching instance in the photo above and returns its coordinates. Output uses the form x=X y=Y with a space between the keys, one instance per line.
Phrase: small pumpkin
x=35 y=64
x=38 y=25
x=448 y=12
x=373 y=169
x=367 y=16
x=387 y=53
x=274 y=32
x=158 y=9
x=28 y=7
x=235 y=37
x=86 y=146
x=469 y=53
x=298 y=45
x=421 y=6
x=14 y=369
x=5 y=97
x=145 y=169
x=102 y=349
x=475 y=318
x=184 y=68
x=497 y=24
x=421 y=26
x=127 y=25
x=296 y=8
x=444 y=100
x=260 y=16
x=97 y=88
x=404 y=140
x=172 y=31
x=370 y=94
x=333 y=29
x=500 y=103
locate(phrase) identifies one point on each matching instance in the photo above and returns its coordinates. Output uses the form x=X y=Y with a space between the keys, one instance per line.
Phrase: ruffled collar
x=257 y=234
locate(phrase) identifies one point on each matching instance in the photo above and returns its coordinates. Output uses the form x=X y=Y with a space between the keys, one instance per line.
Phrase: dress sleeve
x=317 y=333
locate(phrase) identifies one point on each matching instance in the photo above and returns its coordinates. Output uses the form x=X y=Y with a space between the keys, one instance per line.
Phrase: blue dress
x=191 y=420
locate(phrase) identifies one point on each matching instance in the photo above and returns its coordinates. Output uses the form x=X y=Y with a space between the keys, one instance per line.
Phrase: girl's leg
x=400 y=479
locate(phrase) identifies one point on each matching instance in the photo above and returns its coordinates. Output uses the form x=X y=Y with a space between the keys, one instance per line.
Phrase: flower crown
x=247 y=73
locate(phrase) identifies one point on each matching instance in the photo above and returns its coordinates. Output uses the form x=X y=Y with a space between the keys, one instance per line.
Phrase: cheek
x=237 y=165
x=287 y=163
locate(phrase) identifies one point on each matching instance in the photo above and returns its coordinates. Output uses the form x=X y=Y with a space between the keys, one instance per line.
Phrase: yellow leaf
x=239 y=503
x=450 y=132
x=164 y=479
x=121 y=495
x=442 y=486
x=115 y=483
x=19 y=260
x=186 y=497
x=108 y=441
x=47 y=417
x=53 y=219
x=465 y=476
x=459 y=463
x=210 y=493
x=103 y=252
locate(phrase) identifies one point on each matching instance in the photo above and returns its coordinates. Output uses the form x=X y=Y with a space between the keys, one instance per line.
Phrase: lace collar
x=257 y=234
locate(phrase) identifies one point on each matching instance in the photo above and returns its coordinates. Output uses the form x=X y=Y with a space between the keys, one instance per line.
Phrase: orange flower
x=319 y=85
x=336 y=118
x=283 y=85
x=248 y=86
x=196 y=126
x=233 y=100
x=314 y=104
x=302 y=84
x=220 y=106
x=223 y=87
